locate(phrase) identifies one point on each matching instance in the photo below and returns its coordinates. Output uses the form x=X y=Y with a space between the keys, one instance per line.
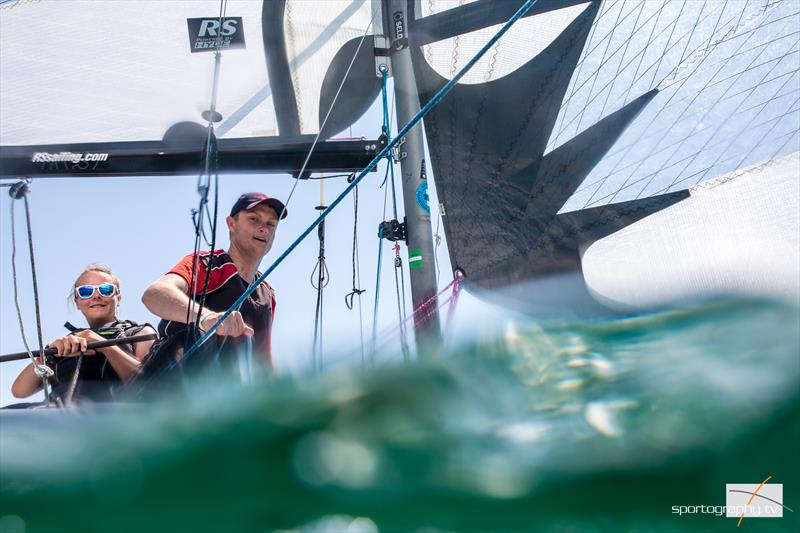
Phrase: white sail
x=89 y=71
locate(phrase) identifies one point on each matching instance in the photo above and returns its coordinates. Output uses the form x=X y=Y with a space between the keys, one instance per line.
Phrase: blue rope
x=386 y=128
x=382 y=154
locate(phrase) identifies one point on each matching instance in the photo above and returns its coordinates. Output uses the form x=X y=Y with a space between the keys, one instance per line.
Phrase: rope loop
x=348 y=298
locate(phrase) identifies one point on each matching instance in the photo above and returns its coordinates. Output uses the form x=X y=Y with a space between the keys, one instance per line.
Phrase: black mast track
x=255 y=155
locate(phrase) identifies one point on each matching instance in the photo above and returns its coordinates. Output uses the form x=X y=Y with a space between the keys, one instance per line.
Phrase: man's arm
x=168 y=298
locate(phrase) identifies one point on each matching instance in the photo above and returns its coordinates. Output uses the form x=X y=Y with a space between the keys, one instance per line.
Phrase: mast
x=419 y=237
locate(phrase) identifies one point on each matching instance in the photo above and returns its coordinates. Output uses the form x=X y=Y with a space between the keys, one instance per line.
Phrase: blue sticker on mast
x=422 y=197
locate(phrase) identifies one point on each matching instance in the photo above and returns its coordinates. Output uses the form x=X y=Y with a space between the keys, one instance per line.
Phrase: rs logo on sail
x=72 y=157
x=209 y=27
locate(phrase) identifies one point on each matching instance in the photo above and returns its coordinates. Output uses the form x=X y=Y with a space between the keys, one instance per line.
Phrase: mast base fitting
x=392 y=230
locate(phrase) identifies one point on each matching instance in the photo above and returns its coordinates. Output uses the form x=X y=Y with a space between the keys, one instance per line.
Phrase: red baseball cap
x=251 y=199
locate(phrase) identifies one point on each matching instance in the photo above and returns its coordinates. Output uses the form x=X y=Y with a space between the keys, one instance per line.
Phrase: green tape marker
x=415 y=258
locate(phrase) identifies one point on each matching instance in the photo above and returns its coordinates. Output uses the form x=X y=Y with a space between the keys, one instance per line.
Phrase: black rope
x=322 y=277
x=215 y=165
x=348 y=176
x=401 y=298
x=17 y=191
x=348 y=299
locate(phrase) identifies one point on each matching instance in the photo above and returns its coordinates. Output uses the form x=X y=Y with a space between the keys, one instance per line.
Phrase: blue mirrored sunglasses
x=86 y=291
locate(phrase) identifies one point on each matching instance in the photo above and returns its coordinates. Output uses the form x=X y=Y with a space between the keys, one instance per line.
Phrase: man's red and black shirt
x=225 y=286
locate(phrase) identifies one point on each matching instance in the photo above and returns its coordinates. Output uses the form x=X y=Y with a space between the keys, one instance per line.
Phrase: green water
x=590 y=426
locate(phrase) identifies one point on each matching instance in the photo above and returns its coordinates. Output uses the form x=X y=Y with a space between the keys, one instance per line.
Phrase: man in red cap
x=222 y=276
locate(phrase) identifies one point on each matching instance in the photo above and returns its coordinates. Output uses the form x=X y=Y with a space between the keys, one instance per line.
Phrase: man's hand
x=232 y=326
x=75 y=344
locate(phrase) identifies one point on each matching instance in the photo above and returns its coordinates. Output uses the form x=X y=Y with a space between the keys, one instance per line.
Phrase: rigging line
x=386 y=131
x=321 y=269
x=34 y=278
x=398 y=265
x=213 y=243
x=459 y=276
x=386 y=127
x=357 y=291
x=441 y=93
x=602 y=62
x=390 y=337
x=210 y=164
x=380 y=263
x=438 y=240
x=391 y=332
x=720 y=126
x=621 y=59
x=73 y=383
x=328 y=114
x=646 y=46
x=41 y=370
x=421 y=313
x=329 y=177
x=377 y=291
x=213 y=156
x=669 y=129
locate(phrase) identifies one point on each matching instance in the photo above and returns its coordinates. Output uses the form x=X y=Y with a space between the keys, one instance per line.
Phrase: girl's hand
x=75 y=344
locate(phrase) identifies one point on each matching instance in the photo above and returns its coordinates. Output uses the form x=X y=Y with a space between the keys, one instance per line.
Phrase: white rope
x=328 y=114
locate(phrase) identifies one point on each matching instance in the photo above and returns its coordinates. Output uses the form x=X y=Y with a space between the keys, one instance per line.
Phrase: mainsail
x=117 y=78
